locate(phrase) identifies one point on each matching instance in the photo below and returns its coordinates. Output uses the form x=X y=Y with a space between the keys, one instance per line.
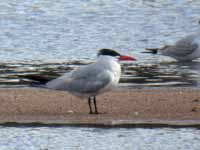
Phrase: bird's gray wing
x=185 y=46
x=90 y=82
x=87 y=79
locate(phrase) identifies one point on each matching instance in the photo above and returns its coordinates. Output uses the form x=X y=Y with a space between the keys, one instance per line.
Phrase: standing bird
x=185 y=49
x=93 y=79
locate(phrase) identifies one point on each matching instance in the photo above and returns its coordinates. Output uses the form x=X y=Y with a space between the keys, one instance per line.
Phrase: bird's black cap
x=108 y=52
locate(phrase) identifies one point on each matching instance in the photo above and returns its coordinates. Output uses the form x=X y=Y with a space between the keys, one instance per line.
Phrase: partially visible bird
x=185 y=49
x=92 y=79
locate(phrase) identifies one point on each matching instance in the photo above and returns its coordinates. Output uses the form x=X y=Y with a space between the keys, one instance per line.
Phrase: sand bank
x=121 y=107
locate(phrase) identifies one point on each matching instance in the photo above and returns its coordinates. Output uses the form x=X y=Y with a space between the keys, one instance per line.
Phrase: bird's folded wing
x=59 y=82
x=84 y=80
x=91 y=83
x=183 y=47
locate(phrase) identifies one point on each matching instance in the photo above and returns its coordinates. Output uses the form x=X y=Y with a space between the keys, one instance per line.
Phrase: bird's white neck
x=107 y=58
x=110 y=63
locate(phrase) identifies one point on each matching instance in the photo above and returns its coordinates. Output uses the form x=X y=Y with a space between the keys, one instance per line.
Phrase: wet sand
x=168 y=106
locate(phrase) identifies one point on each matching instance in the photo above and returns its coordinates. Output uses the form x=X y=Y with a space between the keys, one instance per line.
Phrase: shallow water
x=165 y=74
x=55 y=33
x=73 y=138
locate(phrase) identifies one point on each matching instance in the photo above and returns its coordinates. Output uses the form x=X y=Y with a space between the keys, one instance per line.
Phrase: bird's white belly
x=113 y=83
x=115 y=73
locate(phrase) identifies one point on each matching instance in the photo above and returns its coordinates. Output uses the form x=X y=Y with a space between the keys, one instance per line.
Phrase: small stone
x=70 y=112
x=136 y=113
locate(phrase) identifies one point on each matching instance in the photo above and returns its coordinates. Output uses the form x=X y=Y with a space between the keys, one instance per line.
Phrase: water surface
x=55 y=33
x=72 y=138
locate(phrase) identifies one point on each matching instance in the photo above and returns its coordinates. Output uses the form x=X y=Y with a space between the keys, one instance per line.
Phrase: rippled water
x=48 y=30
x=72 y=138
x=165 y=74
x=57 y=32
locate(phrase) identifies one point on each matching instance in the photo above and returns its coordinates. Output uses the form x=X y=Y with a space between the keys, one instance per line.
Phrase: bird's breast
x=116 y=71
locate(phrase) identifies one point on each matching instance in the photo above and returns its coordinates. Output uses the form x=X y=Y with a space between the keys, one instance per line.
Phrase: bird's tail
x=34 y=85
x=37 y=78
x=151 y=50
x=37 y=81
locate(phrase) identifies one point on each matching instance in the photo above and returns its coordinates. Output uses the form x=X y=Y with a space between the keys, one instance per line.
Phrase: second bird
x=185 y=49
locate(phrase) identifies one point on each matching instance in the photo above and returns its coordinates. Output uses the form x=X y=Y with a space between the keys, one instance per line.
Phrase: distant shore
x=145 y=107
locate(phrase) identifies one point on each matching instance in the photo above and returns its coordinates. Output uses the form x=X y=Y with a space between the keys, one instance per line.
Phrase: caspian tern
x=93 y=79
x=185 y=49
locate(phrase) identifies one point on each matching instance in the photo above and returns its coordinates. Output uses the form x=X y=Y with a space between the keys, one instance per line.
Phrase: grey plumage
x=82 y=81
x=182 y=47
x=185 y=49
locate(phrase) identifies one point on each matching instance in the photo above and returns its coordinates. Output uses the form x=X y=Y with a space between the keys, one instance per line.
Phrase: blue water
x=70 y=138
x=47 y=31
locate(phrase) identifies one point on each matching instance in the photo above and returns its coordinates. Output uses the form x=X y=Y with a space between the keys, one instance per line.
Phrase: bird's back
x=186 y=48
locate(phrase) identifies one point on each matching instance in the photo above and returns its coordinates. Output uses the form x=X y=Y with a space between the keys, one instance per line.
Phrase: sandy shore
x=122 y=107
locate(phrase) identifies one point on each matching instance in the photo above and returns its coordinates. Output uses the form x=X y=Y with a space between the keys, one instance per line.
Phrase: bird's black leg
x=89 y=103
x=95 y=105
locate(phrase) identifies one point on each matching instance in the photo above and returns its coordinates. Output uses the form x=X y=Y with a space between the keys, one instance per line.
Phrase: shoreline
x=166 y=107
x=120 y=124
